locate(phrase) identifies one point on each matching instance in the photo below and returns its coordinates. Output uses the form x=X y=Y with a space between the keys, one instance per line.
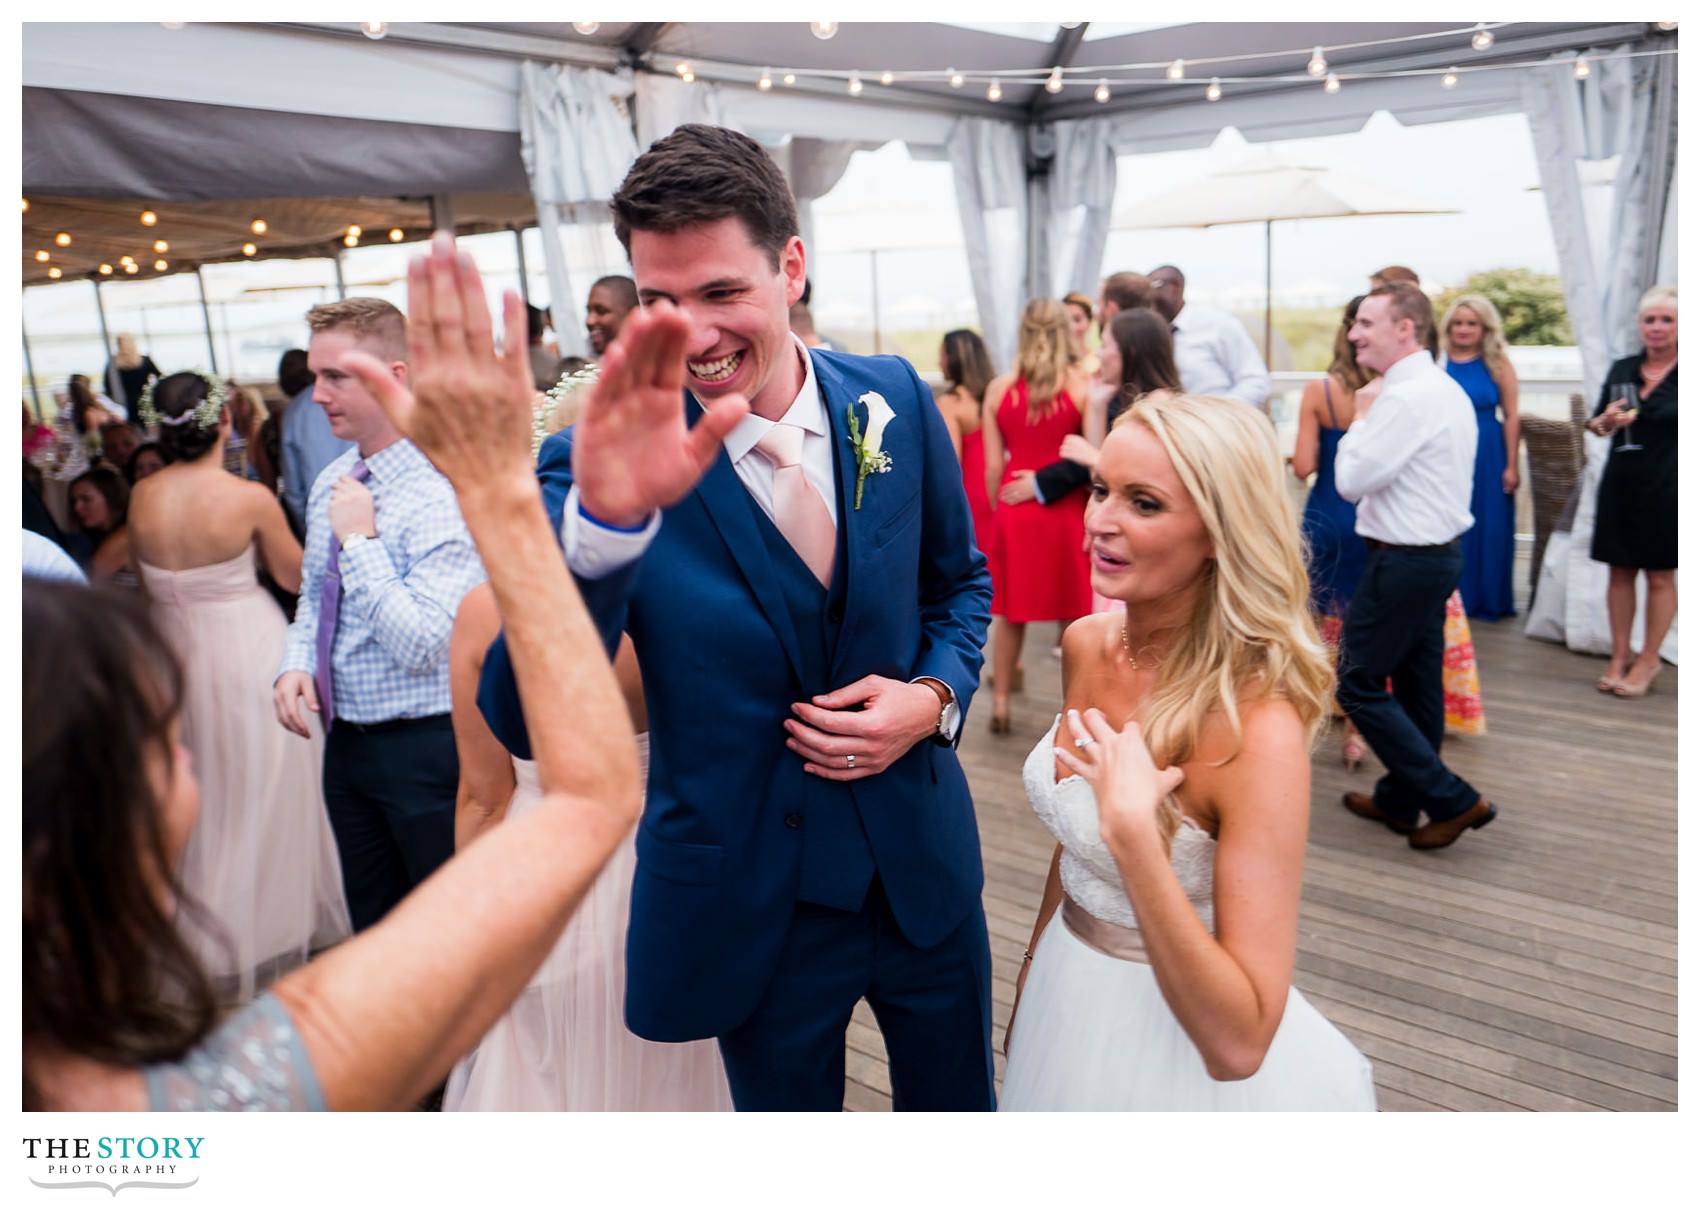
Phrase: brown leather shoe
x=1365 y=807
x=1437 y=834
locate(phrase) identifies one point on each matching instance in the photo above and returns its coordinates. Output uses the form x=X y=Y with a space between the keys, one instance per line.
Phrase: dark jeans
x=1396 y=628
x=390 y=795
x=934 y=1007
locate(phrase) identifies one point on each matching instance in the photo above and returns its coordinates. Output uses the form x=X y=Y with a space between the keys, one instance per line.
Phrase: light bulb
x=1666 y=26
x=1214 y=92
x=1177 y=70
x=42 y=254
x=149 y=218
x=350 y=240
x=374 y=29
x=1318 y=65
x=886 y=77
x=790 y=78
x=1071 y=24
x=956 y=77
x=823 y=29
x=172 y=24
x=855 y=85
x=126 y=259
x=587 y=28
x=765 y=84
x=994 y=91
x=1482 y=39
x=249 y=249
x=689 y=77
x=397 y=235
x=105 y=268
x=62 y=239
x=162 y=246
x=132 y=268
x=1102 y=92
x=160 y=265
x=1054 y=82
x=681 y=67
x=355 y=230
x=54 y=271
x=1450 y=79
x=258 y=227
x=26 y=206
x=1332 y=84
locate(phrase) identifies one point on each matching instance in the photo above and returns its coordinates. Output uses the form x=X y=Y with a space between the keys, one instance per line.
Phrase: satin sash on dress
x=1112 y=939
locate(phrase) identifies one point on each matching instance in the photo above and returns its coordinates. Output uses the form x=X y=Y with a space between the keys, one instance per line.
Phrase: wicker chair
x=1555 y=470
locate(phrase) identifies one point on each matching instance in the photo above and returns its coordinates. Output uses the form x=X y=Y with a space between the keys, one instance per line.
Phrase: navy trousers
x=390 y=796
x=1396 y=628
x=934 y=1007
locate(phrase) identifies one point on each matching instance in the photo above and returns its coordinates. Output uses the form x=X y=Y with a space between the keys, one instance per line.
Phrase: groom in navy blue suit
x=809 y=614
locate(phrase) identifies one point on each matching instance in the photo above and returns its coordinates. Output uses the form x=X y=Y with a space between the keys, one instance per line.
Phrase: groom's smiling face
x=738 y=303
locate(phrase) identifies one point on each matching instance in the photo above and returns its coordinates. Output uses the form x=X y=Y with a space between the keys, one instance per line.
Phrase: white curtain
x=1081 y=190
x=813 y=167
x=667 y=102
x=1625 y=110
x=576 y=139
x=991 y=195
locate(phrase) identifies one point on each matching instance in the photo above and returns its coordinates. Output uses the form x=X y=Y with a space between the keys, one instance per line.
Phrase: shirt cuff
x=1039 y=496
x=362 y=565
x=593 y=548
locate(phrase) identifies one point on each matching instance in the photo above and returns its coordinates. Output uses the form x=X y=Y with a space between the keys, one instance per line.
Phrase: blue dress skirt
x=1489 y=545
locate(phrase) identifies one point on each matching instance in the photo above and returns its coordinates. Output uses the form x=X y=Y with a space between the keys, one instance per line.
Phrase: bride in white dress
x=1177 y=784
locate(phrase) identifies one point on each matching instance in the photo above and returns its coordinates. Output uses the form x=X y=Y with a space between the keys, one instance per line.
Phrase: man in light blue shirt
x=308 y=443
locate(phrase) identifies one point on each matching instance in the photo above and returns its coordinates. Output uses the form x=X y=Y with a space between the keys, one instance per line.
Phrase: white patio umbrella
x=1266 y=190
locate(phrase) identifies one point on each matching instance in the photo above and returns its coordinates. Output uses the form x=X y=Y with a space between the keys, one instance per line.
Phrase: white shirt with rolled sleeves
x=1409 y=463
x=1215 y=355
x=594 y=550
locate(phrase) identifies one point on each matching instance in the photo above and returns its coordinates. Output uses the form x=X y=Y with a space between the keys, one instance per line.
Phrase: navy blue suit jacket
x=717 y=870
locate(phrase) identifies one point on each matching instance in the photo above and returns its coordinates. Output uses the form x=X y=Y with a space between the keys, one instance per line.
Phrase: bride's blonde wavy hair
x=1251 y=634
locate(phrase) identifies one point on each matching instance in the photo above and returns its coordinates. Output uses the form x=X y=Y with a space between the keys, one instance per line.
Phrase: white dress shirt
x=1216 y=357
x=1409 y=463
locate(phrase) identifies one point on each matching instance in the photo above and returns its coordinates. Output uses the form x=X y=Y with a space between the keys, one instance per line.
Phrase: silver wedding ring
x=1083 y=742
x=849 y=762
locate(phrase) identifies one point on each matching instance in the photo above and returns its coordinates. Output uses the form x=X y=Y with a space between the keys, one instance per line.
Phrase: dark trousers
x=1396 y=628
x=390 y=795
x=934 y=1007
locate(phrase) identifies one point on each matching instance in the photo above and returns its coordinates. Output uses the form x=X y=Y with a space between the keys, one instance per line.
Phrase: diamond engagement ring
x=850 y=762
x=1083 y=742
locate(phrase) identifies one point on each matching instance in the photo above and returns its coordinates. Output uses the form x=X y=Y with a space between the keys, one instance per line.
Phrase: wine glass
x=1629 y=392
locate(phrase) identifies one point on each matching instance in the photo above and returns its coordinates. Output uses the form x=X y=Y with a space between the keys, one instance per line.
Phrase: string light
x=54 y=271
x=823 y=29
x=355 y=230
x=1177 y=70
x=149 y=218
x=1582 y=70
x=397 y=235
x=1450 y=79
x=1101 y=94
x=161 y=246
x=994 y=91
x=173 y=24
x=258 y=227
x=790 y=79
x=689 y=77
x=1214 y=92
x=126 y=259
x=886 y=77
x=587 y=28
x=26 y=206
x=681 y=67
x=105 y=268
x=1318 y=65
x=956 y=77
x=1666 y=26
x=1071 y=24
x=62 y=239
x=1054 y=82
x=249 y=249
x=42 y=254
x=160 y=265
x=1482 y=39
x=1332 y=84
x=350 y=240
x=132 y=268
x=765 y=84
x=374 y=29
x=855 y=84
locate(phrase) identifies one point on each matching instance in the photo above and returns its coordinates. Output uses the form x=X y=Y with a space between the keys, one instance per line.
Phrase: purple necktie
x=330 y=599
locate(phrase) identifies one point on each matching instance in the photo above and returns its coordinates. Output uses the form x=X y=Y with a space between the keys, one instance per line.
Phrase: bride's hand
x=1128 y=784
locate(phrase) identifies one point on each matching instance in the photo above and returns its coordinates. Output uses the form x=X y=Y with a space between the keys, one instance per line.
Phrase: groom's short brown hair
x=703 y=174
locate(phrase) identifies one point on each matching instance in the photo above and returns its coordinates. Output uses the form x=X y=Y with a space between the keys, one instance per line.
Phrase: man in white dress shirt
x=1408 y=462
x=1213 y=352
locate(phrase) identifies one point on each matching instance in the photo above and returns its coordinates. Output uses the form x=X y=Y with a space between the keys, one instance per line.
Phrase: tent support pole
x=336 y=262
x=524 y=274
x=206 y=317
x=442 y=213
x=1268 y=296
x=100 y=311
x=29 y=366
x=874 y=276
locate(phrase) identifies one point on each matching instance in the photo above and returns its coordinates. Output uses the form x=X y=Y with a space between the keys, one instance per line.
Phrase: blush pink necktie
x=798 y=510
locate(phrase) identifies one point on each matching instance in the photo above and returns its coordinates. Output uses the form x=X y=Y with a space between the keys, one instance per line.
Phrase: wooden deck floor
x=1532 y=965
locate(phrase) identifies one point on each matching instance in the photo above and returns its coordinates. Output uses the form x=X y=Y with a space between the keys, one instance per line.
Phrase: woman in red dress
x=1037 y=553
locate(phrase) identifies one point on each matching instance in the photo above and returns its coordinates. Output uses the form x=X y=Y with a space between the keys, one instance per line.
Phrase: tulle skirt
x=1094 y=1034
x=563 y=1046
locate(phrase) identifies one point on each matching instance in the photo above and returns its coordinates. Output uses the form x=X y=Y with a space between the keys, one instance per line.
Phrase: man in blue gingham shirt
x=406 y=561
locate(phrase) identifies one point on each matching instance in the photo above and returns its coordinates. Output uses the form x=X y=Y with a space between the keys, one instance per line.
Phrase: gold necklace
x=1133 y=657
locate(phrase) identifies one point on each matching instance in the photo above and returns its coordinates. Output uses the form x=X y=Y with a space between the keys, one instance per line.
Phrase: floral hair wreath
x=205 y=416
x=564 y=391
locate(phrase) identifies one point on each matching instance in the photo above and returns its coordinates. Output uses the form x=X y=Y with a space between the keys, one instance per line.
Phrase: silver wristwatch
x=353 y=540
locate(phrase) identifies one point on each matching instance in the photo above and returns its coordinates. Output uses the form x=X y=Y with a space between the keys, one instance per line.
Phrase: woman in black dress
x=1635 y=524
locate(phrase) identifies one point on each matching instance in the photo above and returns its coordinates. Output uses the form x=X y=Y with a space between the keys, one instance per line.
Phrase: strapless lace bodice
x=1069 y=810
x=226 y=581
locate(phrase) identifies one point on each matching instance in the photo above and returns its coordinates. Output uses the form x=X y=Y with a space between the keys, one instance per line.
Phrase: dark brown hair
x=703 y=174
x=106 y=975
x=1147 y=348
x=622 y=288
x=1406 y=302
x=293 y=374
x=178 y=396
x=109 y=482
x=967 y=365
x=1345 y=365
x=1128 y=290
x=83 y=402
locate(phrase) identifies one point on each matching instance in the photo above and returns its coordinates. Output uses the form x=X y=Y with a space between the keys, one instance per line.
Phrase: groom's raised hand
x=632 y=451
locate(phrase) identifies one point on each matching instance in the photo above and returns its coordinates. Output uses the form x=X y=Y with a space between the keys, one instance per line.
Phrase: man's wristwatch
x=353 y=540
x=950 y=716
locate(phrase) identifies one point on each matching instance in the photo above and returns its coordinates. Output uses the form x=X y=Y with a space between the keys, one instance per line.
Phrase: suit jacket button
x=793 y=820
x=836 y=615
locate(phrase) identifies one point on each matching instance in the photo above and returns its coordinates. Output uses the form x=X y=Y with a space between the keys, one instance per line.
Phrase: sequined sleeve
x=253 y=1062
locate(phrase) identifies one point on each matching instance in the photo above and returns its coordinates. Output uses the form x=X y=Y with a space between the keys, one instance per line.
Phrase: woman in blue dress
x=1471 y=335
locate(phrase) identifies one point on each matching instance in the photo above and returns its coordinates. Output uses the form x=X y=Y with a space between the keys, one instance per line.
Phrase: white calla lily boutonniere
x=870 y=458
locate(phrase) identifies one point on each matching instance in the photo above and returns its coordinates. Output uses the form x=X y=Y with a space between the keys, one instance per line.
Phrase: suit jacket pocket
x=893 y=526
x=683 y=862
